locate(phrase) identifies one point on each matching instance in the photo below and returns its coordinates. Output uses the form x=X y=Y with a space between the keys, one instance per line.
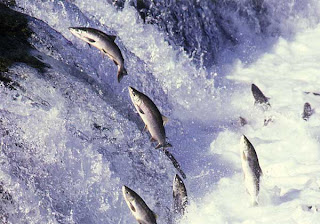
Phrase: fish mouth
x=244 y=140
x=76 y=30
x=124 y=190
x=72 y=29
x=132 y=91
x=176 y=179
x=127 y=194
x=175 y=182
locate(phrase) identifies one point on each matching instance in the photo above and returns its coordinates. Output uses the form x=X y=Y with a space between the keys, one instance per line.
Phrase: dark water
x=205 y=29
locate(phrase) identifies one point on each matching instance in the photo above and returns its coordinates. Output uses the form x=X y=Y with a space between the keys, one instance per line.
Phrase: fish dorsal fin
x=165 y=120
x=113 y=38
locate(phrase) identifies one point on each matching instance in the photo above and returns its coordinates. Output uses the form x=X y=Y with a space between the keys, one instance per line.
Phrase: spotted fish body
x=103 y=42
x=151 y=116
x=138 y=207
x=251 y=169
x=180 y=198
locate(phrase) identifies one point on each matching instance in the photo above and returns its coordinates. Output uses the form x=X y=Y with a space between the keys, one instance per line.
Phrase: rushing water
x=70 y=137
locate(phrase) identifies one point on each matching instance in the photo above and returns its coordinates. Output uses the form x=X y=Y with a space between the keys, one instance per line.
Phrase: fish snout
x=72 y=29
x=76 y=31
x=133 y=93
x=177 y=180
x=244 y=141
x=124 y=190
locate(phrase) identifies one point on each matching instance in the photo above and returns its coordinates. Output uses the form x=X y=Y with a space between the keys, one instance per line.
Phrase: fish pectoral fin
x=141 y=221
x=165 y=120
x=112 y=37
x=165 y=145
x=132 y=208
x=89 y=45
x=115 y=62
x=152 y=139
x=140 y=110
x=91 y=40
x=244 y=156
x=145 y=128
x=261 y=173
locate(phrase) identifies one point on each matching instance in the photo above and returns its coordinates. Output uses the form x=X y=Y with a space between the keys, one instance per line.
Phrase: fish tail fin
x=174 y=162
x=165 y=145
x=121 y=72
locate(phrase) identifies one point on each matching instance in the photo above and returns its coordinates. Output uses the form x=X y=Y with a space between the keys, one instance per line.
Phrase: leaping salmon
x=151 y=116
x=251 y=168
x=138 y=207
x=103 y=42
x=180 y=198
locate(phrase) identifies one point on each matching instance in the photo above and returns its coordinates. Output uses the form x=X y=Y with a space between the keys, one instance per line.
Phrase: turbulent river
x=70 y=137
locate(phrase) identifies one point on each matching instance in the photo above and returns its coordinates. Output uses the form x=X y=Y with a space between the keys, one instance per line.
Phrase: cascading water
x=69 y=134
